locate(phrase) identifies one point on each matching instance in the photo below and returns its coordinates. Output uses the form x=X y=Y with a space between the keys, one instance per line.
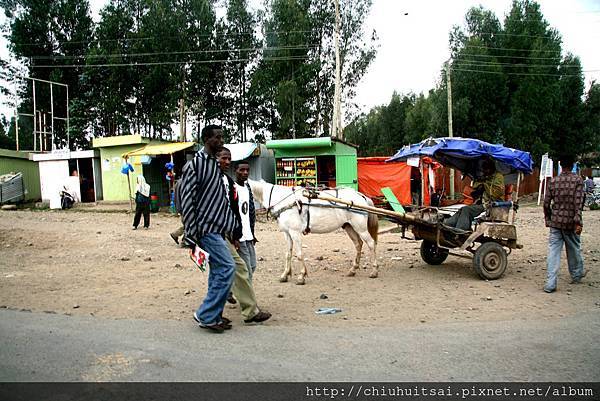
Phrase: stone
x=323 y=296
x=261 y=259
x=390 y=249
x=125 y=259
x=279 y=295
x=319 y=258
x=9 y=207
x=488 y=298
x=397 y=258
x=177 y=265
x=148 y=259
x=75 y=306
x=335 y=250
x=98 y=232
x=411 y=266
x=30 y=244
x=187 y=292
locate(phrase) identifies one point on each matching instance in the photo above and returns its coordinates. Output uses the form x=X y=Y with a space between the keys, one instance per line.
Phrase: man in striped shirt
x=563 y=204
x=207 y=218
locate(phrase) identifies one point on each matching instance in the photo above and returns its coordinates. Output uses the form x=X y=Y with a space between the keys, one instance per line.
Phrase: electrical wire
x=91 y=56
x=167 y=63
x=522 y=73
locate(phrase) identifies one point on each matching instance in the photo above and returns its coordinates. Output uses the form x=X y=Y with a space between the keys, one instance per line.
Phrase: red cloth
x=374 y=173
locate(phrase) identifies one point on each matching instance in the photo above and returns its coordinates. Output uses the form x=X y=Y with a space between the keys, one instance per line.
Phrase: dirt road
x=92 y=263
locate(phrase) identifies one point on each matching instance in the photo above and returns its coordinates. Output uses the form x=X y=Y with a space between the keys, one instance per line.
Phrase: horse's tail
x=372 y=222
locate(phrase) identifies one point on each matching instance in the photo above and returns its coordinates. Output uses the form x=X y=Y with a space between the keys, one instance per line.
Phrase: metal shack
x=260 y=158
x=76 y=171
x=322 y=161
x=14 y=162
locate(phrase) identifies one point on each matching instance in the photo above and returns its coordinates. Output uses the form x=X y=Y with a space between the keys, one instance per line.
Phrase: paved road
x=49 y=347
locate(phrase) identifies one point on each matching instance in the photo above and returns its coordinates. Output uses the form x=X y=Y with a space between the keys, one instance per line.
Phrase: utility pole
x=182 y=120
x=337 y=102
x=450 y=134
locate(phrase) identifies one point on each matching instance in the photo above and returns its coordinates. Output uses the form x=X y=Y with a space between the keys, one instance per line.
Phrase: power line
x=511 y=65
x=91 y=56
x=143 y=38
x=512 y=49
x=506 y=56
x=168 y=63
x=521 y=73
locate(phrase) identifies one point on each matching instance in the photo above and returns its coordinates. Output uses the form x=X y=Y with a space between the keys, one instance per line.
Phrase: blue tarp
x=462 y=154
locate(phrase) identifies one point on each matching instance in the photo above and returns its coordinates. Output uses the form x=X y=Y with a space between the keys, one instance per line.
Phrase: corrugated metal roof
x=162 y=149
x=241 y=151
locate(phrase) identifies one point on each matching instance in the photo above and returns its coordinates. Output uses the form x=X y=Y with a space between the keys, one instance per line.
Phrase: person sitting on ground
x=489 y=187
x=243 y=290
x=142 y=203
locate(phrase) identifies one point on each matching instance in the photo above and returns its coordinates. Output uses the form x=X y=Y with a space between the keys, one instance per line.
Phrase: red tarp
x=374 y=173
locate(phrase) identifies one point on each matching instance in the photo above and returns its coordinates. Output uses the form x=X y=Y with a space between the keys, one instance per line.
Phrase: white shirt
x=244 y=205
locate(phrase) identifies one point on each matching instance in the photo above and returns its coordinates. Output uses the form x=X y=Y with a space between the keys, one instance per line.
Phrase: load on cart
x=489 y=235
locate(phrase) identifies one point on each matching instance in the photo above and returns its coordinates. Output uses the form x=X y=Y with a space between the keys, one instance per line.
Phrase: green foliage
x=510 y=84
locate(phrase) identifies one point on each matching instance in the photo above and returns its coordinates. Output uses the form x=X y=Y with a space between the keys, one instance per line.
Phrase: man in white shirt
x=247 y=214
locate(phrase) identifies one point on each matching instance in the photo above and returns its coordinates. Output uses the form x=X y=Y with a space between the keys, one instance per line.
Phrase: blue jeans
x=575 y=262
x=248 y=254
x=220 y=278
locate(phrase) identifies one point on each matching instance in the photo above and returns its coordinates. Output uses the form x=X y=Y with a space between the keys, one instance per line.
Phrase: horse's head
x=257 y=188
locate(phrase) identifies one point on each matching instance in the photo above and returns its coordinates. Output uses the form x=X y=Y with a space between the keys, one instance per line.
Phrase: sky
x=413 y=41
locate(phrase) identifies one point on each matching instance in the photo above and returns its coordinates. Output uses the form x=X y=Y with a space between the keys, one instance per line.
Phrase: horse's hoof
x=351 y=273
x=373 y=275
x=300 y=282
x=283 y=279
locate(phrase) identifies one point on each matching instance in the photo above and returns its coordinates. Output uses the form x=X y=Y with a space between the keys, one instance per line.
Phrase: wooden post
x=450 y=130
x=129 y=187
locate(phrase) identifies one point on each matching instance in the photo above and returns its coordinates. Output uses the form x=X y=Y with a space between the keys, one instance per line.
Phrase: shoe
x=134 y=228
x=578 y=280
x=145 y=228
x=213 y=328
x=174 y=238
x=231 y=299
x=225 y=320
x=549 y=290
x=259 y=317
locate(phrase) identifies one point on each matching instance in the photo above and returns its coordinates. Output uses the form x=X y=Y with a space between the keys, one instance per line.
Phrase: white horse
x=297 y=215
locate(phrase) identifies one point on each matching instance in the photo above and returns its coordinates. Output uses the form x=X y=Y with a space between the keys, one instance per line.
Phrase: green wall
x=15 y=162
x=114 y=183
x=345 y=160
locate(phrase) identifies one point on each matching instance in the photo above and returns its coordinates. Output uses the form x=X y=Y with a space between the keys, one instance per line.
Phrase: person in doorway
x=142 y=203
x=415 y=186
x=247 y=215
x=563 y=205
x=488 y=188
x=207 y=218
x=243 y=290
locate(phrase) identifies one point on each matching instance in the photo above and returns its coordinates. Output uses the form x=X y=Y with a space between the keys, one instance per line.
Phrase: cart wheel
x=432 y=254
x=490 y=261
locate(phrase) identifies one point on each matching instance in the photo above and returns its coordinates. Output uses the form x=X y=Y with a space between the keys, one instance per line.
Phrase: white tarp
x=241 y=151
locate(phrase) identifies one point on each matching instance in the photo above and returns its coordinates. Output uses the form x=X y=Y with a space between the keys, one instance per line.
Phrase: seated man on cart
x=489 y=187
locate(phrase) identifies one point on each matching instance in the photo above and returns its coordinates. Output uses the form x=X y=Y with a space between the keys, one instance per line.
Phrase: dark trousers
x=464 y=217
x=142 y=208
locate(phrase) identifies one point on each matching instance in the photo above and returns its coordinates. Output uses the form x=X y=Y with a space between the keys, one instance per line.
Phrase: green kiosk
x=323 y=161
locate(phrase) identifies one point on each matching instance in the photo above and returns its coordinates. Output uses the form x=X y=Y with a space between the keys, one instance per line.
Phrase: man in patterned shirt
x=207 y=219
x=563 y=204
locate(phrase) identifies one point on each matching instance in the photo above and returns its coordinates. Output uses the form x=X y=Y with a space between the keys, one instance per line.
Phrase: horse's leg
x=287 y=272
x=357 y=244
x=372 y=244
x=297 y=240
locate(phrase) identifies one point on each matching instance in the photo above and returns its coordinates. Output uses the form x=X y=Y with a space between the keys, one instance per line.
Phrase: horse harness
x=297 y=203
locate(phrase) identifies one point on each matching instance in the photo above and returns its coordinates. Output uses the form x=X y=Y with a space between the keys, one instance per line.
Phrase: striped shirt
x=563 y=202
x=204 y=203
